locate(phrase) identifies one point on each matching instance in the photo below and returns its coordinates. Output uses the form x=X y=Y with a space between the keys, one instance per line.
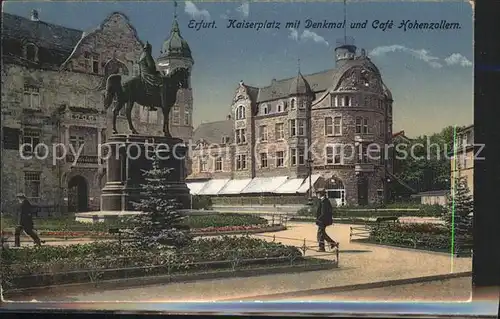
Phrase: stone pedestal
x=128 y=156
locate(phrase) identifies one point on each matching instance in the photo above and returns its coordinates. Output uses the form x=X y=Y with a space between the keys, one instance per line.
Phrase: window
x=241 y=162
x=293 y=156
x=280 y=131
x=11 y=138
x=337 y=126
x=31 y=138
x=265 y=109
x=363 y=155
x=328 y=126
x=32 y=184
x=347 y=101
x=280 y=159
x=187 y=117
x=280 y=107
x=147 y=115
x=303 y=104
x=76 y=141
x=292 y=104
x=263 y=160
x=359 y=122
x=302 y=127
x=365 y=126
x=464 y=161
x=301 y=152
x=92 y=62
x=240 y=112
x=240 y=136
x=218 y=164
x=176 y=115
x=31 y=97
x=285 y=105
x=263 y=133
x=381 y=129
x=293 y=128
x=334 y=155
x=203 y=165
x=335 y=100
x=31 y=52
x=225 y=139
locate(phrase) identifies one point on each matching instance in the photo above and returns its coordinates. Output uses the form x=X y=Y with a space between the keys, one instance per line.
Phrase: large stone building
x=261 y=149
x=52 y=92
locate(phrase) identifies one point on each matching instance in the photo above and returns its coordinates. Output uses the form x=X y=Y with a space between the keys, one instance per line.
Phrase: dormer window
x=347 y=101
x=31 y=52
x=225 y=139
x=292 y=104
x=265 y=109
x=280 y=107
x=285 y=105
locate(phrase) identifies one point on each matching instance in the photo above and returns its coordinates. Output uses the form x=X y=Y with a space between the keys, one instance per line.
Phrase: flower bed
x=53 y=265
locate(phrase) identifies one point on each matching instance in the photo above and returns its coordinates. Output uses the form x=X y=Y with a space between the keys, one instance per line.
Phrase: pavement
x=358 y=264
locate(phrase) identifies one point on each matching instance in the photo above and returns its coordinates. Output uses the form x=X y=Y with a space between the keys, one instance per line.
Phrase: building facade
x=53 y=79
x=463 y=163
x=324 y=130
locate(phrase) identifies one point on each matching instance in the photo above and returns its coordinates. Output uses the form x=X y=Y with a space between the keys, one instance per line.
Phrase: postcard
x=224 y=151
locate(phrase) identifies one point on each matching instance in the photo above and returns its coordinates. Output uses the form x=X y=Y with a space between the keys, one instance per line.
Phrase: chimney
x=34 y=15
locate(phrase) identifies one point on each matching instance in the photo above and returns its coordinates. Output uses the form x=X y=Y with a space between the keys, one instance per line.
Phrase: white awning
x=291 y=186
x=264 y=184
x=212 y=187
x=195 y=187
x=235 y=186
x=305 y=187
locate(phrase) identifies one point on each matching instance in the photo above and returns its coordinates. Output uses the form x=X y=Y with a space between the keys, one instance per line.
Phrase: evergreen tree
x=160 y=222
x=459 y=212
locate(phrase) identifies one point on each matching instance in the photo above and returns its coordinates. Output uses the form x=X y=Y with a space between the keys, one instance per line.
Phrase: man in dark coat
x=25 y=221
x=324 y=218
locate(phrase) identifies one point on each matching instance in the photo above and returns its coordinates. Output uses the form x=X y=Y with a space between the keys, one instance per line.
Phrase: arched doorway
x=362 y=190
x=335 y=191
x=78 y=199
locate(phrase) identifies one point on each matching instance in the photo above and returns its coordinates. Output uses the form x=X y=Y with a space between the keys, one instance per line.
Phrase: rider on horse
x=150 y=76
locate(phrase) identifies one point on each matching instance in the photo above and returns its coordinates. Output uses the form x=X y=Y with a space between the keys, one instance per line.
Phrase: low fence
x=93 y=270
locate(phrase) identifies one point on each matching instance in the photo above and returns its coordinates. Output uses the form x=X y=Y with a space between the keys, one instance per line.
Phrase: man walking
x=324 y=218
x=25 y=222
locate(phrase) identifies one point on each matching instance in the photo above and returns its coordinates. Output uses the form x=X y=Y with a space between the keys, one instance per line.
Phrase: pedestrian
x=25 y=222
x=324 y=218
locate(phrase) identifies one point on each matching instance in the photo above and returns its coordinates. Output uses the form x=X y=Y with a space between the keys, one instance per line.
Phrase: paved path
x=457 y=289
x=358 y=264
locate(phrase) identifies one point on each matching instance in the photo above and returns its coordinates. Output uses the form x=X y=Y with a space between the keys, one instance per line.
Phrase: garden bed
x=430 y=237
x=90 y=263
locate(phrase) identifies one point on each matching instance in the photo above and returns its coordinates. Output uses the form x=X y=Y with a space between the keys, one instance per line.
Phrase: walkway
x=358 y=264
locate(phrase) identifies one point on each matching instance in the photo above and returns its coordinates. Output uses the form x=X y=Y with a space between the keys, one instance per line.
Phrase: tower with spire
x=345 y=50
x=175 y=53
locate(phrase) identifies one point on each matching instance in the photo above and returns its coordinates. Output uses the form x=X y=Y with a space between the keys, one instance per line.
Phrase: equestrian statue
x=150 y=89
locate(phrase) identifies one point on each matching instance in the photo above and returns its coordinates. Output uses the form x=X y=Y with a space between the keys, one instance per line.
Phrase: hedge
x=346 y=211
x=194 y=222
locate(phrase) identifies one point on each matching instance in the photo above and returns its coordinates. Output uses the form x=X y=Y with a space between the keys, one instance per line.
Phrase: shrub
x=222 y=220
x=201 y=202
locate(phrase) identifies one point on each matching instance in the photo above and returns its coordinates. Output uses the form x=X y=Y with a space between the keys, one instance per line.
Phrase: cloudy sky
x=429 y=71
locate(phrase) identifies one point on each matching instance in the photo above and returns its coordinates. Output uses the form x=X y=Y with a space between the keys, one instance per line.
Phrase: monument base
x=129 y=156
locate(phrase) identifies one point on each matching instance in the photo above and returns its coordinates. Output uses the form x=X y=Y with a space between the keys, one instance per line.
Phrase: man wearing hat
x=25 y=222
x=324 y=218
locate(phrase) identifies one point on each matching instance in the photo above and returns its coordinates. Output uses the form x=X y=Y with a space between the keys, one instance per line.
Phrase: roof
x=318 y=82
x=300 y=85
x=40 y=33
x=175 y=46
x=212 y=132
x=467 y=128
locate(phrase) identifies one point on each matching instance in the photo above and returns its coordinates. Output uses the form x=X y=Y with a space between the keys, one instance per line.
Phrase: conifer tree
x=160 y=222
x=459 y=211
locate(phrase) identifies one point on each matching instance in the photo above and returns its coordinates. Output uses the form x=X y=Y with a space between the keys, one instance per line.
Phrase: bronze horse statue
x=149 y=89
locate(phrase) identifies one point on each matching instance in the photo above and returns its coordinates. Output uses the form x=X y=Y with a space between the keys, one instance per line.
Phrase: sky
x=430 y=72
